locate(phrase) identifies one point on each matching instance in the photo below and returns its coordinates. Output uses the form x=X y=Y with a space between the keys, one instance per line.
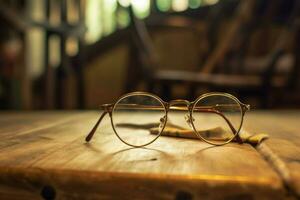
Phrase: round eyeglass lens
x=138 y=119
x=217 y=118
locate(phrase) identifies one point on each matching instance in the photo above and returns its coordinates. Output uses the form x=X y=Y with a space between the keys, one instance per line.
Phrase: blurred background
x=78 y=54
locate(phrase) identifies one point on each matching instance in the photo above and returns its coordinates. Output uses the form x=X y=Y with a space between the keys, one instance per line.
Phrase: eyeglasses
x=216 y=118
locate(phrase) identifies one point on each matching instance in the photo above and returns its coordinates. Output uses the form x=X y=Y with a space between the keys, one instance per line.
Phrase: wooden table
x=44 y=155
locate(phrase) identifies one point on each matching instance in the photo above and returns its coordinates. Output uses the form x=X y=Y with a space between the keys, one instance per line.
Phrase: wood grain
x=48 y=157
x=282 y=149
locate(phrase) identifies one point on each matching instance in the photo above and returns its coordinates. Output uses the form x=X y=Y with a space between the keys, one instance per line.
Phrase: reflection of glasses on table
x=135 y=115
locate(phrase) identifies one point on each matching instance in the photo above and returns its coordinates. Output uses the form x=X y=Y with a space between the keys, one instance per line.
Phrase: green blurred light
x=109 y=17
x=194 y=3
x=164 y=5
x=123 y=18
x=94 y=25
x=210 y=2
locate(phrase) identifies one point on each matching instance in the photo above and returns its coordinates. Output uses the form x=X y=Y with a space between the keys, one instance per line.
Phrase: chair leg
x=165 y=91
x=150 y=86
x=192 y=91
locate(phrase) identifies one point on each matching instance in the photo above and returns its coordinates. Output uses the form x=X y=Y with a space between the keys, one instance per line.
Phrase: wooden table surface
x=44 y=155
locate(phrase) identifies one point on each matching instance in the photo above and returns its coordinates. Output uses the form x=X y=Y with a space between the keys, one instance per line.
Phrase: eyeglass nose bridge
x=188 y=108
x=179 y=101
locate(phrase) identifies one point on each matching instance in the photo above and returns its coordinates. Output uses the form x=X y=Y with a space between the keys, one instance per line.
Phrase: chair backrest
x=143 y=42
x=242 y=15
x=292 y=29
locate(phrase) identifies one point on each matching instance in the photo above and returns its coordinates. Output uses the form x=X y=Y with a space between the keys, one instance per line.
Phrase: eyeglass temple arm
x=107 y=109
x=245 y=107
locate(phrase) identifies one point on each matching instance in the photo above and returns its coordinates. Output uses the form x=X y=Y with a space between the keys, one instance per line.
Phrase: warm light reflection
x=180 y=5
x=71 y=46
x=54 y=51
x=34 y=40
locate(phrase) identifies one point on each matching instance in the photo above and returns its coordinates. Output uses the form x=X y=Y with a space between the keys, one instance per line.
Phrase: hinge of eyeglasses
x=246 y=107
x=107 y=107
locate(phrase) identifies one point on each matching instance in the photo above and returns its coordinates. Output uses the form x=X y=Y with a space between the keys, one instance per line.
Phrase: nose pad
x=162 y=122
x=189 y=120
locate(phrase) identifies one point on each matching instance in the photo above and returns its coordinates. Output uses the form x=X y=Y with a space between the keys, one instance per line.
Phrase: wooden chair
x=145 y=60
x=259 y=85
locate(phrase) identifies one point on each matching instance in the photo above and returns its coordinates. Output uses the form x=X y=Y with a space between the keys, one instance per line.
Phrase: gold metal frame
x=190 y=106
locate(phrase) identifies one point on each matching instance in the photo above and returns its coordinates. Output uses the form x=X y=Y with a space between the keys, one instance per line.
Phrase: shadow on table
x=158 y=153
